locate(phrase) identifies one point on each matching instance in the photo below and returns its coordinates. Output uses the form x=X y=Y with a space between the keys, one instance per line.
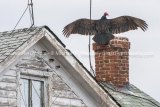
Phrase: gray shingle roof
x=11 y=40
x=130 y=96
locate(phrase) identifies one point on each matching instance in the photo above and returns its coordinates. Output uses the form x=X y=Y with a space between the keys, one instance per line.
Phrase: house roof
x=11 y=40
x=130 y=96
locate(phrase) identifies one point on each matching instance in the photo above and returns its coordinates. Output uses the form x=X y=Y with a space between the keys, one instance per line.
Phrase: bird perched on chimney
x=104 y=28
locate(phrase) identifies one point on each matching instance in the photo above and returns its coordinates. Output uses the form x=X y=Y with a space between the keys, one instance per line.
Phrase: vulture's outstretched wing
x=80 y=26
x=125 y=23
x=113 y=26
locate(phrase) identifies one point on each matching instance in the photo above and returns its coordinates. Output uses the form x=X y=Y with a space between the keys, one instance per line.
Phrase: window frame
x=44 y=81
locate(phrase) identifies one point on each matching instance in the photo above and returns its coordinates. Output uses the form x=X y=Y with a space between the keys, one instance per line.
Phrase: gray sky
x=145 y=50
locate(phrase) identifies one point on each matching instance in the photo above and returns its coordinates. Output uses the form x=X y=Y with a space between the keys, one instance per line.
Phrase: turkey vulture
x=104 y=28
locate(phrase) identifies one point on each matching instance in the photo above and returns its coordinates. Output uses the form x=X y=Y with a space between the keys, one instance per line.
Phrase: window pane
x=37 y=87
x=24 y=91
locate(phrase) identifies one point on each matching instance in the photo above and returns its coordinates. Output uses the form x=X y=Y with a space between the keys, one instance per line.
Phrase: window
x=32 y=93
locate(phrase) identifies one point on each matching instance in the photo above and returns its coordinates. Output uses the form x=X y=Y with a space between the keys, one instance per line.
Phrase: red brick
x=112 y=61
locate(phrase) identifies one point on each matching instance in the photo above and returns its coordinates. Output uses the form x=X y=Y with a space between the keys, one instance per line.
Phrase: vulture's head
x=106 y=14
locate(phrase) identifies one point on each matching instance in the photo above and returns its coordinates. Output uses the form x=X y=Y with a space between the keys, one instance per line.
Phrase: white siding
x=8 y=89
x=62 y=95
x=58 y=92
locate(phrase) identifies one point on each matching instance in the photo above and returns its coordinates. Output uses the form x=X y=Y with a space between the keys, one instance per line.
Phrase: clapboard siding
x=8 y=94
x=8 y=86
x=8 y=102
x=8 y=106
x=8 y=79
x=60 y=86
x=62 y=94
x=35 y=72
x=67 y=102
x=65 y=106
x=12 y=73
x=8 y=89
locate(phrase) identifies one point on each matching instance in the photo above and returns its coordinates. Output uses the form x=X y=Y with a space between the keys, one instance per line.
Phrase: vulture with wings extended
x=104 y=28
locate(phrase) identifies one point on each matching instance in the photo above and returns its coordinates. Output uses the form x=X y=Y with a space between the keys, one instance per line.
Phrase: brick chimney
x=112 y=62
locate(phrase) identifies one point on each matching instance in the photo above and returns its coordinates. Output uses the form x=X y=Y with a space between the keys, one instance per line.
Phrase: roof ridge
x=20 y=30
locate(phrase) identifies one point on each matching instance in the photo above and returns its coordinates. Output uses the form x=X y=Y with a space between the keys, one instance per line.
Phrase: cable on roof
x=30 y=7
x=19 y=20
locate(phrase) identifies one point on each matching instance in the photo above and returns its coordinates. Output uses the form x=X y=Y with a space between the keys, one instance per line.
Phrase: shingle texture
x=11 y=40
x=130 y=96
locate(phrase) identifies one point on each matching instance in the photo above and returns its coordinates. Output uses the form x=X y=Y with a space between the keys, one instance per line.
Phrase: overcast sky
x=145 y=46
